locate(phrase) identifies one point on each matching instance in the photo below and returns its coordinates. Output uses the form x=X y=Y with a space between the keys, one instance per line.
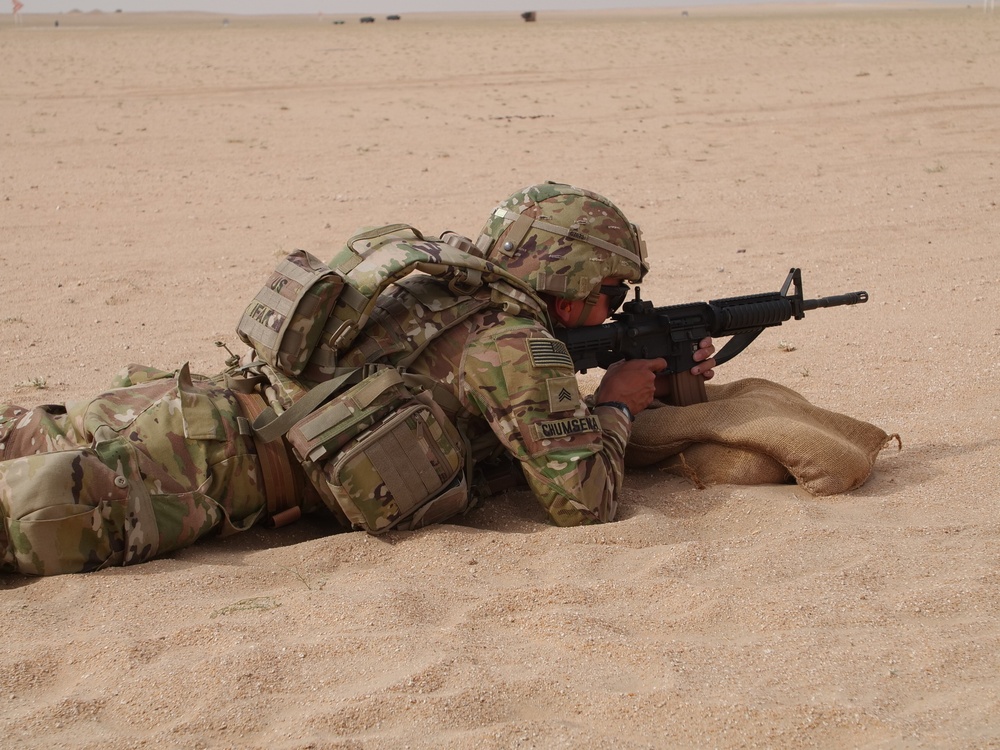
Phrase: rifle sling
x=735 y=345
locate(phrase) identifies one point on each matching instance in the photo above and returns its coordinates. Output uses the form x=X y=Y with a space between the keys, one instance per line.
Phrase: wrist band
x=620 y=406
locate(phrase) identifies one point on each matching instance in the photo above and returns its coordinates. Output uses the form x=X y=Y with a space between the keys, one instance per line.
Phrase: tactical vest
x=309 y=314
x=373 y=438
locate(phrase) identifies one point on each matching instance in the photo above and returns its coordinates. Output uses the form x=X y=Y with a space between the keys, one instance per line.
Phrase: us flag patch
x=549 y=353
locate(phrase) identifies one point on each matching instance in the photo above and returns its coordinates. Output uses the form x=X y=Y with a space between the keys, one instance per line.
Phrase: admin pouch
x=284 y=321
x=381 y=451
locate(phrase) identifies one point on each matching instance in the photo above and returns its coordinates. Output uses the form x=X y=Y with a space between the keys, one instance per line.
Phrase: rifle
x=641 y=331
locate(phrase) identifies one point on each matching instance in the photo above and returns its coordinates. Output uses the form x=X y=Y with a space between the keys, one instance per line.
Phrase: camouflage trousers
x=132 y=474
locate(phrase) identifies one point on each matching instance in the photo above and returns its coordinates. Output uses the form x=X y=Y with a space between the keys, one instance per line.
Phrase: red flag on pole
x=17 y=5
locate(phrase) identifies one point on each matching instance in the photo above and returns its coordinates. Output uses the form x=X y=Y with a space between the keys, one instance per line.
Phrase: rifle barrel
x=851 y=298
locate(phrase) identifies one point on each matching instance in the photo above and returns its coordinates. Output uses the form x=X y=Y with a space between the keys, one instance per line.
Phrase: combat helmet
x=564 y=241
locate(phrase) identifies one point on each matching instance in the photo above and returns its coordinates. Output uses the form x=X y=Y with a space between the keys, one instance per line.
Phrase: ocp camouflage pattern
x=161 y=460
x=374 y=259
x=411 y=458
x=286 y=318
x=134 y=473
x=485 y=361
x=566 y=266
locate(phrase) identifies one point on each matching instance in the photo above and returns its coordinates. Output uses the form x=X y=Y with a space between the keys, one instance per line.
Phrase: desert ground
x=154 y=168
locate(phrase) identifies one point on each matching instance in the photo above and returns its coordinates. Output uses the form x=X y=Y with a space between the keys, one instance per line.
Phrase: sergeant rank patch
x=564 y=394
x=549 y=353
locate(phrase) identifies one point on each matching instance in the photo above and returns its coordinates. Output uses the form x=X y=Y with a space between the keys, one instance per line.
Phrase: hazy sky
x=333 y=7
x=323 y=6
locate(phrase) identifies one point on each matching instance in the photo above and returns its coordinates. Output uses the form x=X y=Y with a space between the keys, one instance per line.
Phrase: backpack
x=372 y=438
x=308 y=314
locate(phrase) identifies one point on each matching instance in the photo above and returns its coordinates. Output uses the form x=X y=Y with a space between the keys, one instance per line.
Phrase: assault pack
x=373 y=438
x=309 y=313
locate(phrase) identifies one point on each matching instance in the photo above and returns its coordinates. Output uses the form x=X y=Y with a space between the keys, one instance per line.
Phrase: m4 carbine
x=642 y=331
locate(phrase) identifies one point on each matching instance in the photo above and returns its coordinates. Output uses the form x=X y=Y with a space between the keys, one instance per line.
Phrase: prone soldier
x=164 y=459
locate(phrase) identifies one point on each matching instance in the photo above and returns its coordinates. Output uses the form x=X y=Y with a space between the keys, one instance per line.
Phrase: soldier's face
x=568 y=312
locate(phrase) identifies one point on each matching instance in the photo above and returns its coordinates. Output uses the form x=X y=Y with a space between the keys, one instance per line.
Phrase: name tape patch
x=558 y=428
x=549 y=353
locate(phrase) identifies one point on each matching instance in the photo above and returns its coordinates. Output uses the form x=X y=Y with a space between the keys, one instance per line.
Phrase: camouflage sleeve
x=521 y=380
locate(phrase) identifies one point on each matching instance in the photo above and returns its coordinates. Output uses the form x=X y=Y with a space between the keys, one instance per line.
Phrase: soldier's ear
x=563 y=310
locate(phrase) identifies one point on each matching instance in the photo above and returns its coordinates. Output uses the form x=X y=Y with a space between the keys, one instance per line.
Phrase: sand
x=154 y=168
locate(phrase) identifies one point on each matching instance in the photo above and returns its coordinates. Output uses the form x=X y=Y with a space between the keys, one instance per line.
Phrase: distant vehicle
x=392 y=18
x=529 y=16
x=367 y=19
x=338 y=23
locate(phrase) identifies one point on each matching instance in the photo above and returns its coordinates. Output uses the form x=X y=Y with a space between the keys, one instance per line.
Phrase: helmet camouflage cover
x=563 y=240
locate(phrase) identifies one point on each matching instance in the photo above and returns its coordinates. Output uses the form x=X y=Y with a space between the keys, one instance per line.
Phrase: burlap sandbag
x=754 y=431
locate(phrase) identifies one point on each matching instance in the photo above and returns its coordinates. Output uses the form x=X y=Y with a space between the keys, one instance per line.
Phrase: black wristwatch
x=619 y=405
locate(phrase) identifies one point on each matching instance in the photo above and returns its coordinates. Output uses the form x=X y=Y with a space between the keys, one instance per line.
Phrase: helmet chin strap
x=589 y=304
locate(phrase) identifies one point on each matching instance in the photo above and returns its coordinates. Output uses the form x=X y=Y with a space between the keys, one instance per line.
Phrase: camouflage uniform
x=519 y=397
x=163 y=459
x=139 y=471
x=514 y=381
x=520 y=380
x=159 y=461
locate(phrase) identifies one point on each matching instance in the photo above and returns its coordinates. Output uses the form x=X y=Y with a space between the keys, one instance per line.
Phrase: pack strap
x=270 y=424
x=352 y=261
x=244 y=379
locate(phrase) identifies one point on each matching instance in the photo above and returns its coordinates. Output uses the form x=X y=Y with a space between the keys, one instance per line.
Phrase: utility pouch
x=284 y=321
x=384 y=455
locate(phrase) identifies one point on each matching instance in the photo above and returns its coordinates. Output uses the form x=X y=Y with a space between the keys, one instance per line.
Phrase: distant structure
x=367 y=19
x=529 y=16
x=392 y=18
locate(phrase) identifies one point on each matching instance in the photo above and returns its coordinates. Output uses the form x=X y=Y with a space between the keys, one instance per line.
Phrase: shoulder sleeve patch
x=549 y=353
x=564 y=394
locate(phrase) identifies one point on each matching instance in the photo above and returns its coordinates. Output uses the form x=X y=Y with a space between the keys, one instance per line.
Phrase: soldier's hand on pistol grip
x=631 y=382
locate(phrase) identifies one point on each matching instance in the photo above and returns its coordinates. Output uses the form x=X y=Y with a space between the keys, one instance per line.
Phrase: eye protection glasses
x=616 y=294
